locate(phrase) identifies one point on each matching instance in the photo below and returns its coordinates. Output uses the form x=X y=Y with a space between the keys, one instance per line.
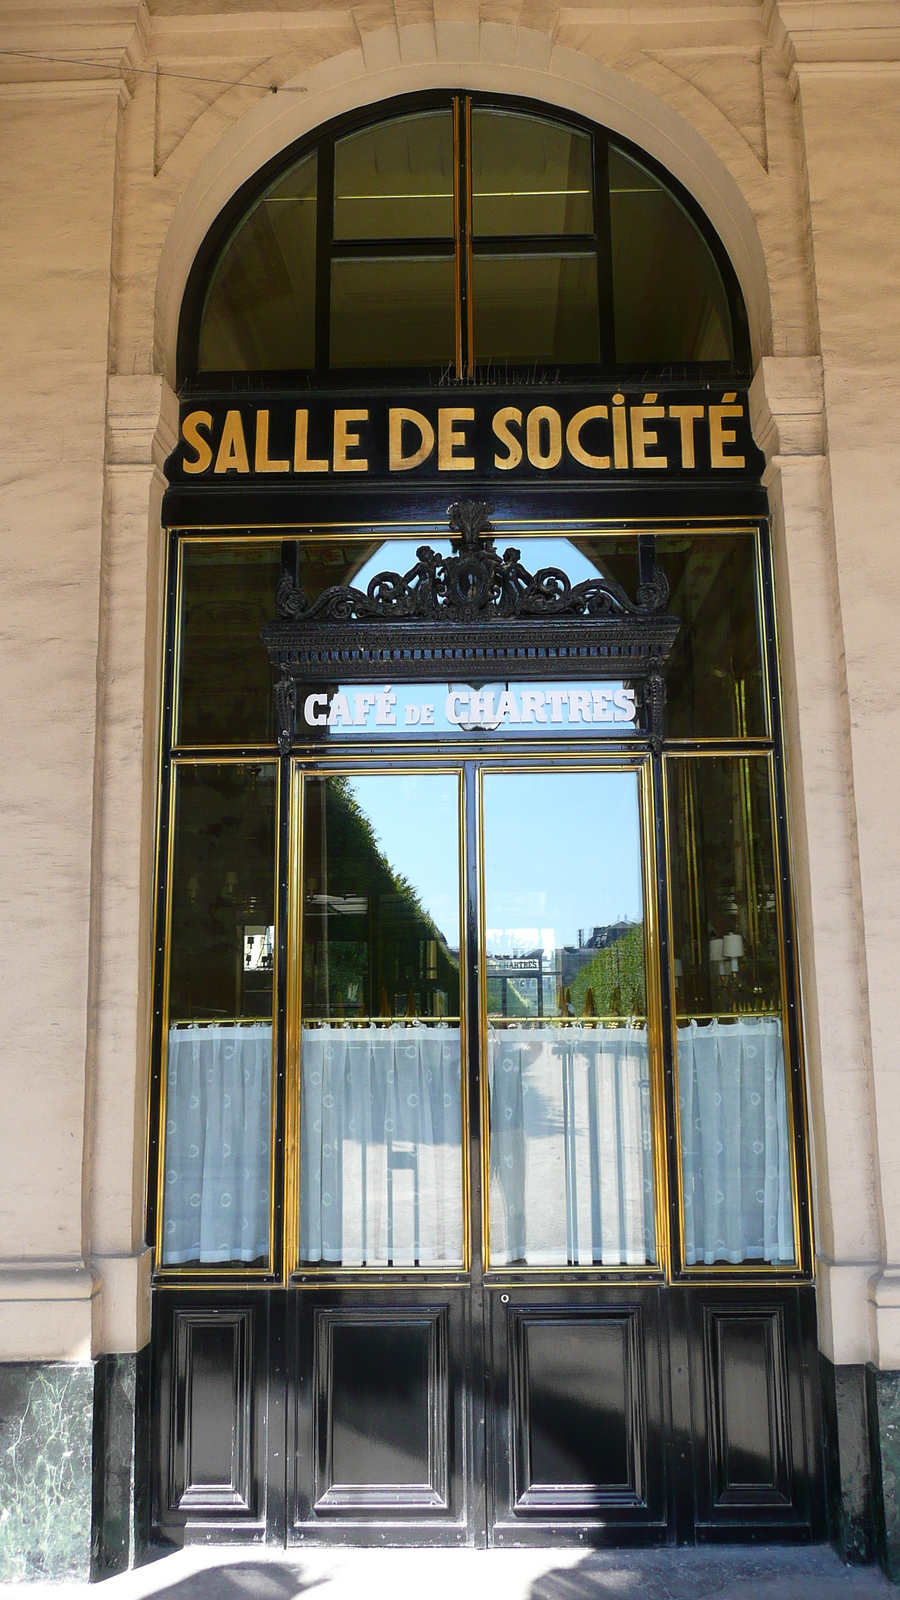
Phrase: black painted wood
x=376 y=1432
x=209 y=1415
x=577 y=1415
x=614 y=1414
x=758 y=1468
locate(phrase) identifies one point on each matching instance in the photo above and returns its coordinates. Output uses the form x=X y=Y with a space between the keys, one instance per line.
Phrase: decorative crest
x=471 y=612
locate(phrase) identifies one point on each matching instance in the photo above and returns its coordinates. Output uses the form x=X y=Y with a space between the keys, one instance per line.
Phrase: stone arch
x=488 y=57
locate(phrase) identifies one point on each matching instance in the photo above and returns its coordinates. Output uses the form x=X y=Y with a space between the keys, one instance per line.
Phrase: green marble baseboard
x=46 y=1458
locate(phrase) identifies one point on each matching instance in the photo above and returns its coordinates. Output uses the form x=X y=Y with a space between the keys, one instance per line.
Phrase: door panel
x=210 y=1391
x=379 y=1387
x=755 y=1412
x=382 y=1409
x=380 y=1110
x=577 y=1425
x=566 y=1051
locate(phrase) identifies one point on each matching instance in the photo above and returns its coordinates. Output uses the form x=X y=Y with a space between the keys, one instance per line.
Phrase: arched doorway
x=482 y=1204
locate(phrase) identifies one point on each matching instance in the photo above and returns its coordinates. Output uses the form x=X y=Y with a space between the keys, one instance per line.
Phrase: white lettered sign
x=391 y=711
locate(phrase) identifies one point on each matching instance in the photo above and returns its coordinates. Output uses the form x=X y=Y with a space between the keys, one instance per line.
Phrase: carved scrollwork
x=473 y=582
x=472 y=615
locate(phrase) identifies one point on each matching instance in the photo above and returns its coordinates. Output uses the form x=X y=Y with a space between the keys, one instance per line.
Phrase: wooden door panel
x=377 y=1419
x=210 y=1362
x=753 y=1410
x=382 y=1410
x=576 y=1425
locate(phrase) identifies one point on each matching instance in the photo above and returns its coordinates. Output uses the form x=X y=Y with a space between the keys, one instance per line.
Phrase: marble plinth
x=121 y=1462
x=46 y=1450
x=883 y=1393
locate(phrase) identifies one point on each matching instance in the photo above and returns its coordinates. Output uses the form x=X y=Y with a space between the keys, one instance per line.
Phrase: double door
x=478 y=1338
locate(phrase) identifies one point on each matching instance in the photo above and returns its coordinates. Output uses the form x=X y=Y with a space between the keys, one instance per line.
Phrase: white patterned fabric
x=735 y=1147
x=381 y=1146
x=218 y=1140
x=571 y=1146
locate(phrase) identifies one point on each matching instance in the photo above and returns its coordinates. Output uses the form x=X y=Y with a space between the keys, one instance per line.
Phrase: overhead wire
x=121 y=70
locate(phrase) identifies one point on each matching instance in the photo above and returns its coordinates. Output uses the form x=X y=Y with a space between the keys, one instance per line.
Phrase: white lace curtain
x=218 y=1136
x=380 y=1145
x=734 y=1142
x=571 y=1146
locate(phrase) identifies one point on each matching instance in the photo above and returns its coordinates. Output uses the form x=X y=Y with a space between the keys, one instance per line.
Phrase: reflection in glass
x=735 y=1146
x=398 y=312
x=260 y=310
x=714 y=676
x=219 y=1057
x=670 y=301
x=380 y=1098
x=536 y=308
x=395 y=181
x=569 y=1073
x=224 y=692
x=529 y=176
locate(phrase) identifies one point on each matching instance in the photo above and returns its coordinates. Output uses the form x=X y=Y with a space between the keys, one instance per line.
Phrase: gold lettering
x=641 y=436
x=451 y=439
x=232 y=456
x=573 y=438
x=192 y=437
x=719 y=436
x=687 y=416
x=347 y=438
x=620 y=432
x=261 y=459
x=397 y=461
x=302 y=462
x=503 y=431
x=536 y=455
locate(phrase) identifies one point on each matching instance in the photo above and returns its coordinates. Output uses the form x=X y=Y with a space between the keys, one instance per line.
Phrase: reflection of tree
x=372 y=937
x=616 y=977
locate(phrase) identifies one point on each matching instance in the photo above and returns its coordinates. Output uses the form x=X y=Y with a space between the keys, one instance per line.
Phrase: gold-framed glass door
x=379 y=982
x=569 y=1017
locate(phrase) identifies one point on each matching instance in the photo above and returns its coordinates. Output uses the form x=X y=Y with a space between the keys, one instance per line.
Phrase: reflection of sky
x=562 y=852
x=415 y=818
x=398 y=555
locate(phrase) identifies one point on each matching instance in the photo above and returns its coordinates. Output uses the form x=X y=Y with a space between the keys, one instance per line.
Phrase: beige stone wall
x=125 y=129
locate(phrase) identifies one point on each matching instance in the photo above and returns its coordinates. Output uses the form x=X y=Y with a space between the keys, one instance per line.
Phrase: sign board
x=424 y=710
x=598 y=433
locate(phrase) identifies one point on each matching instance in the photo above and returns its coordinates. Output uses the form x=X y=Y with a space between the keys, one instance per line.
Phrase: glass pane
x=224 y=692
x=260 y=312
x=396 y=313
x=569 y=1072
x=714 y=681
x=670 y=301
x=218 y=1107
x=380 y=1096
x=735 y=1146
x=714 y=678
x=536 y=308
x=529 y=177
x=395 y=181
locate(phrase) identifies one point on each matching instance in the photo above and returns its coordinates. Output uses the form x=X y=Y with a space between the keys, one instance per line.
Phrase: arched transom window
x=462 y=237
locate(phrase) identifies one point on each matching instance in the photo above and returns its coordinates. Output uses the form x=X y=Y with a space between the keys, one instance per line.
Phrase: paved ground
x=731 y=1574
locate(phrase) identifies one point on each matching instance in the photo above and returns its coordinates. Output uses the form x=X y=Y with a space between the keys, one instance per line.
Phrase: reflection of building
x=571 y=958
x=160 y=204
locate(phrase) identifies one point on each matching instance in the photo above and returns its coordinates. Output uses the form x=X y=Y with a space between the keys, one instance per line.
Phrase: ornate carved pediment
x=473 y=614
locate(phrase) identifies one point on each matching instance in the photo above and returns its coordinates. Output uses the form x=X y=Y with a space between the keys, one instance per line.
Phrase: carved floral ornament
x=472 y=615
